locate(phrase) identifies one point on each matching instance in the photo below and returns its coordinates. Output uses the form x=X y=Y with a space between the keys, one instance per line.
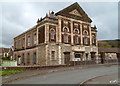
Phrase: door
x=67 y=58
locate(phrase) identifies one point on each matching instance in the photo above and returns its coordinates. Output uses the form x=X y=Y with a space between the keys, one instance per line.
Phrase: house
x=6 y=52
x=58 y=39
x=6 y=55
x=108 y=50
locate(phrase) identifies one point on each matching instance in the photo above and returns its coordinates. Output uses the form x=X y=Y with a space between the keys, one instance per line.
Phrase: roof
x=26 y=31
x=75 y=7
x=5 y=50
x=108 y=50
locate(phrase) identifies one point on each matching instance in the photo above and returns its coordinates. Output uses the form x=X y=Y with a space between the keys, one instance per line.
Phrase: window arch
x=52 y=34
x=65 y=29
x=76 y=31
x=85 y=32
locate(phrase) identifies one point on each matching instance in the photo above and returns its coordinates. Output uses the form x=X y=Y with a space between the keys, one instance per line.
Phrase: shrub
x=5 y=58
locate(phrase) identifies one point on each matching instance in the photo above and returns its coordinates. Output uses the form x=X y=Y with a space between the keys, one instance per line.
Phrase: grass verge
x=9 y=72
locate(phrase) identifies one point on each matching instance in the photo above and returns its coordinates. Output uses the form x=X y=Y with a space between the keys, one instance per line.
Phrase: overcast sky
x=19 y=17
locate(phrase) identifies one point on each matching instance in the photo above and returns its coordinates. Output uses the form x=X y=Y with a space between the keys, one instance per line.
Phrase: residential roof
x=5 y=50
x=108 y=50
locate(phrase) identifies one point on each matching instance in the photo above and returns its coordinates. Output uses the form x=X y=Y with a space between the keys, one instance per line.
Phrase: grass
x=9 y=72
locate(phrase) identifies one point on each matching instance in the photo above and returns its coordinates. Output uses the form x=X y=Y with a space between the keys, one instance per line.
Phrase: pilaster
x=37 y=36
x=72 y=32
x=59 y=30
x=46 y=33
x=90 y=35
x=81 y=34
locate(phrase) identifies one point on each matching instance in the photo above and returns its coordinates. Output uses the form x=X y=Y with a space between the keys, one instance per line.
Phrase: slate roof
x=6 y=50
x=108 y=50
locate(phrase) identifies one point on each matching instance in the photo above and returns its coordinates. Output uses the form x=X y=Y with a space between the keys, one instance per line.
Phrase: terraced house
x=57 y=39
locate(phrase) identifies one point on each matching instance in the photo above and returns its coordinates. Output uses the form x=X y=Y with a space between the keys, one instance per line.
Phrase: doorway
x=67 y=58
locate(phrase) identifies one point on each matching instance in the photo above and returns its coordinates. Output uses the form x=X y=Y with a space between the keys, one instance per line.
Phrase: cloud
x=19 y=17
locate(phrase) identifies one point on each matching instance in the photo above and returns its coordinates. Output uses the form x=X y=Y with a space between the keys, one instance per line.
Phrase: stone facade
x=58 y=39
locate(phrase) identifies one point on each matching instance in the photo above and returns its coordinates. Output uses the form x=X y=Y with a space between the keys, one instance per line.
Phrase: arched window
x=28 y=58
x=85 y=32
x=65 y=29
x=76 y=31
x=52 y=34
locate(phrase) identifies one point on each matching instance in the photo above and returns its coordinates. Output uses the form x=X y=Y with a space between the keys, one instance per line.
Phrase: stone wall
x=42 y=55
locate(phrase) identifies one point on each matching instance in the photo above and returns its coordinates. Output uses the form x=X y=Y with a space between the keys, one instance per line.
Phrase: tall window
x=28 y=40
x=85 y=40
x=23 y=43
x=76 y=31
x=76 y=39
x=34 y=58
x=28 y=58
x=65 y=38
x=18 y=43
x=35 y=38
x=65 y=30
x=93 y=40
x=85 y=32
x=53 y=55
x=23 y=58
x=52 y=35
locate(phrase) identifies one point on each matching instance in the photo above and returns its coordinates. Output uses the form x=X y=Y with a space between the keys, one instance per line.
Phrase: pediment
x=75 y=12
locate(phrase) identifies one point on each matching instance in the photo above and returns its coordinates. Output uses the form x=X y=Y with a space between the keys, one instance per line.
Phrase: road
x=69 y=77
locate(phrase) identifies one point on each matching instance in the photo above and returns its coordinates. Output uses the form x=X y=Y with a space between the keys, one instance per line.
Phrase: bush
x=5 y=58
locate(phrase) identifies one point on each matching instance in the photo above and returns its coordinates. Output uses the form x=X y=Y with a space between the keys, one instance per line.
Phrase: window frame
x=53 y=57
x=52 y=34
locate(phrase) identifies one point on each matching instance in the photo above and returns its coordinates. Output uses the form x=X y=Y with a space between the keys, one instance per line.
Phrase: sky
x=17 y=17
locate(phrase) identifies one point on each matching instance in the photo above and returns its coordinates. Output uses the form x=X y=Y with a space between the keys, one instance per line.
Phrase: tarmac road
x=70 y=76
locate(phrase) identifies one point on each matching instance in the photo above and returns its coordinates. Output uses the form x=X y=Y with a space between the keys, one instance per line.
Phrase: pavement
x=21 y=77
x=106 y=79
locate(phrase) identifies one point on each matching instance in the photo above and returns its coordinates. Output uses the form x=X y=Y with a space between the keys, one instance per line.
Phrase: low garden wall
x=8 y=63
x=30 y=67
